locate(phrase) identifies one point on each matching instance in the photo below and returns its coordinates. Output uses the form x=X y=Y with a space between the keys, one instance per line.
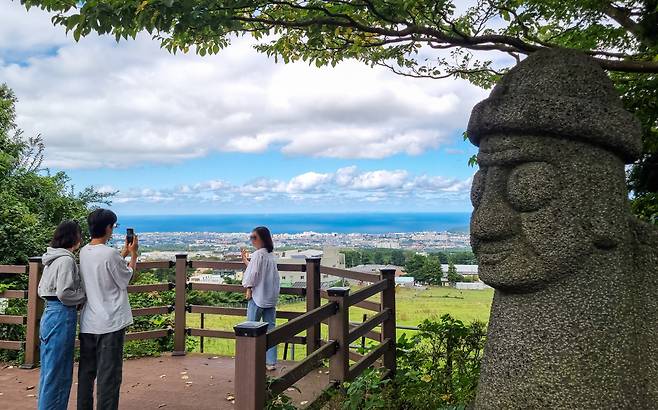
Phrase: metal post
x=34 y=309
x=250 y=346
x=339 y=363
x=363 y=338
x=201 y=338
x=388 y=326
x=312 y=301
x=179 y=307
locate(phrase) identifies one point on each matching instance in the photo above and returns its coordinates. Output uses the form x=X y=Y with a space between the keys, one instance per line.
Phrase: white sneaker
x=270 y=367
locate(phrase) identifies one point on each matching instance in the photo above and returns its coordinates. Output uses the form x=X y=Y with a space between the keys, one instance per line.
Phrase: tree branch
x=623 y=17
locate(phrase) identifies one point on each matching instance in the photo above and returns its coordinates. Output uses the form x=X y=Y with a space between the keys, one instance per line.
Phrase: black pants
x=101 y=359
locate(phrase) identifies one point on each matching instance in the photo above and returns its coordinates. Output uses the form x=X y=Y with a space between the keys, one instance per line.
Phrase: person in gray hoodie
x=61 y=287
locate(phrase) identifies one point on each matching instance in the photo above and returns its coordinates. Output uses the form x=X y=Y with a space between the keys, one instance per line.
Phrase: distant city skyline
x=236 y=132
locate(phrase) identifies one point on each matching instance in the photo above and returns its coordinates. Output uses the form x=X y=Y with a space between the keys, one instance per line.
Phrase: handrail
x=13 y=320
x=349 y=274
x=216 y=287
x=12 y=344
x=14 y=294
x=365 y=304
x=365 y=293
x=287 y=267
x=299 y=324
x=148 y=334
x=225 y=334
x=369 y=359
x=155 y=287
x=281 y=383
x=14 y=269
x=154 y=265
x=155 y=310
x=367 y=326
x=215 y=310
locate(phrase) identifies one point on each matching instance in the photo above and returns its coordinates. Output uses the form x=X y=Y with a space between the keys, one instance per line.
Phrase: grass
x=413 y=306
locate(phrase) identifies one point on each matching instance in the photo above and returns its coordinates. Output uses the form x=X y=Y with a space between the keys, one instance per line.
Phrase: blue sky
x=235 y=132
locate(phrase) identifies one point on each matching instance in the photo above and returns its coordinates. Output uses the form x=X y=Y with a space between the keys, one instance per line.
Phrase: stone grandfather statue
x=574 y=320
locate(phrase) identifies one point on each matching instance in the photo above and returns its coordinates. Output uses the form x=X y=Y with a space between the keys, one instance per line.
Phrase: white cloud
x=102 y=104
x=347 y=183
x=309 y=181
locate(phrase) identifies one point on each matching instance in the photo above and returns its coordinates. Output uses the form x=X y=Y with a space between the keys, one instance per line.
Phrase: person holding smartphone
x=261 y=281
x=61 y=287
x=107 y=313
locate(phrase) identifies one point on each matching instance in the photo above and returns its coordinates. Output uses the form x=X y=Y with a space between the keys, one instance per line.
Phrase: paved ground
x=194 y=382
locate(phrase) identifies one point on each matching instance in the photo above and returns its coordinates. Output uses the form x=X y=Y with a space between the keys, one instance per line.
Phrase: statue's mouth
x=491 y=253
x=492 y=258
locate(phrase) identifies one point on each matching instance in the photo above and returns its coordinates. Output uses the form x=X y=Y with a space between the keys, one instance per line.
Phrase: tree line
x=425 y=269
x=399 y=257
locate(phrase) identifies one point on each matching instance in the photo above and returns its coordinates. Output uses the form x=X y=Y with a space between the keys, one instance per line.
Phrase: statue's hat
x=560 y=93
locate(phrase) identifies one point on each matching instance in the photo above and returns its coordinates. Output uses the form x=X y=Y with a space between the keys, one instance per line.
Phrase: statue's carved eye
x=531 y=186
x=477 y=188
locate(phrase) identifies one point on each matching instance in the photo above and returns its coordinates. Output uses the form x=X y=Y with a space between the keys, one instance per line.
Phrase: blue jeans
x=57 y=334
x=259 y=314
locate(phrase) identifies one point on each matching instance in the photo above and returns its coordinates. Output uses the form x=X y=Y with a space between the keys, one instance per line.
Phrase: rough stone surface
x=574 y=321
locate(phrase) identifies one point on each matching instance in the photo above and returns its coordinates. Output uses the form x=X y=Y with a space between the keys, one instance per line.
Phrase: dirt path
x=194 y=382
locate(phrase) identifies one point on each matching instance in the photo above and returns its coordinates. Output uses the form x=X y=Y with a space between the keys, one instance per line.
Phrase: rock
x=575 y=314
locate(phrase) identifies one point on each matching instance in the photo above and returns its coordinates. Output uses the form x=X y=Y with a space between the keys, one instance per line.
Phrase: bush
x=437 y=368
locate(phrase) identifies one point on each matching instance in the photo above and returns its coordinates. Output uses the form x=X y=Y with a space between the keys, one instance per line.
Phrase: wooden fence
x=252 y=338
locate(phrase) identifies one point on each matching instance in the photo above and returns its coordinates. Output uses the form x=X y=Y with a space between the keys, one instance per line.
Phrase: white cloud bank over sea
x=348 y=184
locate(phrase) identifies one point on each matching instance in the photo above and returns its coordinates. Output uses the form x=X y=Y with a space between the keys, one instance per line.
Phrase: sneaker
x=270 y=367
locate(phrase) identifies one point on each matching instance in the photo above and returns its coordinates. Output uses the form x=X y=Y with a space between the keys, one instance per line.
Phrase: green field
x=413 y=305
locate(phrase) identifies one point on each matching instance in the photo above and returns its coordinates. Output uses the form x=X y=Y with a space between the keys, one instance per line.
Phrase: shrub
x=438 y=367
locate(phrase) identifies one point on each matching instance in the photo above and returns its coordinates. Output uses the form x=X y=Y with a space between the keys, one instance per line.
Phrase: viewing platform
x=191 y=382
x=182 y=380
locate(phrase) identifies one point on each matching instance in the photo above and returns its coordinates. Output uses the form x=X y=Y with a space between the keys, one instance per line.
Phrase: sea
x=366 y=223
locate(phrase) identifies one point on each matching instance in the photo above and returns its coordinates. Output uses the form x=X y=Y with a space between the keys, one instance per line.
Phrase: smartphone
x=130 y=235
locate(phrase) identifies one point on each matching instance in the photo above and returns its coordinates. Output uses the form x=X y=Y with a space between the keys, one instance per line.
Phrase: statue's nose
x=493 y=218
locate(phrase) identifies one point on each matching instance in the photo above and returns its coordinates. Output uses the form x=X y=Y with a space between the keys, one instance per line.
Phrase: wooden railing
x=253 y=340
x=29 y=345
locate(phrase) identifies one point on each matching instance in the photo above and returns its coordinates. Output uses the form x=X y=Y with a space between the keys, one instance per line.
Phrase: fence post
x=202 y=327
x=34 y=309
x=339 y=363
x=180 y=305
x=388 y=326
x=250 y=346
x=312 y=301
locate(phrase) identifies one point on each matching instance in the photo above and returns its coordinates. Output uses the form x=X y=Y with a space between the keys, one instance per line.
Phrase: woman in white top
x=261 y=280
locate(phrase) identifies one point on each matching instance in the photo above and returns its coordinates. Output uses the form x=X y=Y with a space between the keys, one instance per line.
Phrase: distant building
x=374 y=269
x=405 y=281
x=330 y=256
x=472 y=285
x=469 y=272
x=207 y=278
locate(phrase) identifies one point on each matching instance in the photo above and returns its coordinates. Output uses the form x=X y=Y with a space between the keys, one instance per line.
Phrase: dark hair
x=67 y=234
x=265 y=236
x=100 y=219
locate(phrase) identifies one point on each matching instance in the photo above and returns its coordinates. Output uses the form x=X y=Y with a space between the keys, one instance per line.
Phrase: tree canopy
x=33 y=201
x=475 y=40
x=621 y=35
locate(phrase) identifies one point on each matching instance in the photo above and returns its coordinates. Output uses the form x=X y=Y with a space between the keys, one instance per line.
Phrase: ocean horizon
x=368 y=223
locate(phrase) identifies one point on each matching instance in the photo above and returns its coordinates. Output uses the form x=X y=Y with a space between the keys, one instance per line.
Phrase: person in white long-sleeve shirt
x=261 y=280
